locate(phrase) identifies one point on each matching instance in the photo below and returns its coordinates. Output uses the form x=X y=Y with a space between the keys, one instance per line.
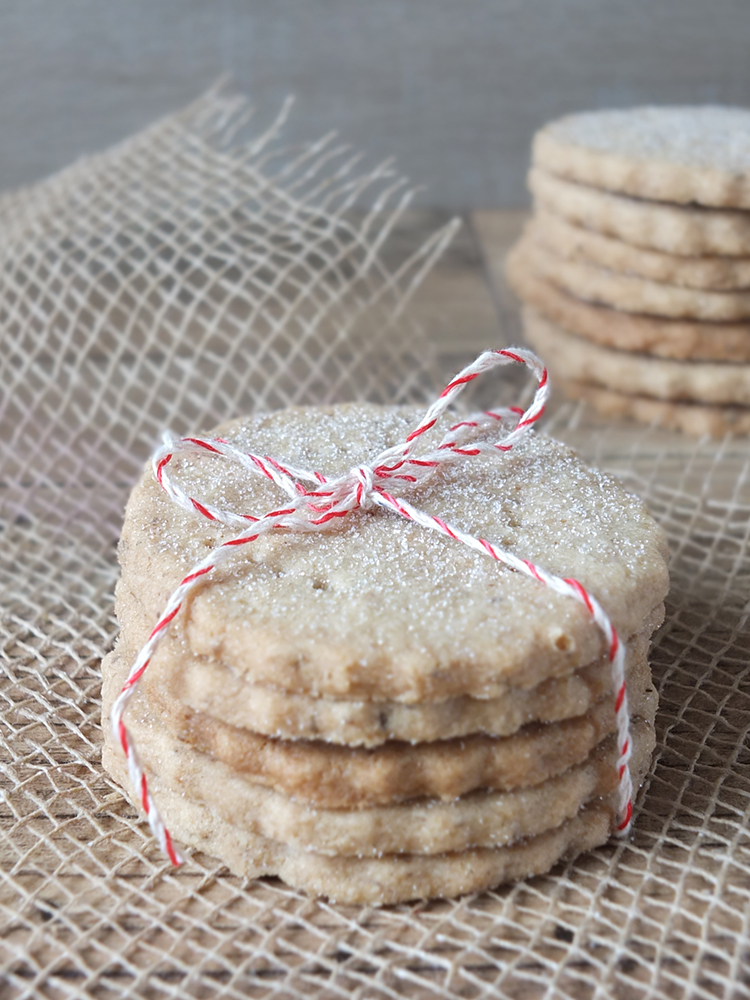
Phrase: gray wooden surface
x=453 y=89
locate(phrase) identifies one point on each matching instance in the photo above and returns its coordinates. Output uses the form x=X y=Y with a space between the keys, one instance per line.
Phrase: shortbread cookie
x=428 y=826
x=666 y=338
x=204 y=685
x=576 y=243
x=577 y=359
x=335 y=777
x=379 y=608
x=370 y=609
x=380 y=881
x=484 y=819
x=681 y=154
x=632 y=293
x=376 y=881
x=678 y=229
x=355 y=723
x=690 y=418
x=215 y=689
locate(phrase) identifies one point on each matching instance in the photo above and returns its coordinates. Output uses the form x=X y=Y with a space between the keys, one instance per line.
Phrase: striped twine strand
x=315 y=501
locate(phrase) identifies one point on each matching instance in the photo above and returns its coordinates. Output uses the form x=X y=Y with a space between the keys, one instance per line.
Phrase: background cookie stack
x=375 y=712
x=635 y=268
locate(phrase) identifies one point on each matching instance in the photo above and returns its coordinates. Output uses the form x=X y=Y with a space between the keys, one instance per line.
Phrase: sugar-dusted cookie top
x=378 y=607
x=679 y=154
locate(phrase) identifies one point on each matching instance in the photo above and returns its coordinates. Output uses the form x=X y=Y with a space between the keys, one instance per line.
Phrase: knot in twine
x=365 y=476
x=316 y=501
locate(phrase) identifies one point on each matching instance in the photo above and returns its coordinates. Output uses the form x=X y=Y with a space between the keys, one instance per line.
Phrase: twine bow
x=315 y=501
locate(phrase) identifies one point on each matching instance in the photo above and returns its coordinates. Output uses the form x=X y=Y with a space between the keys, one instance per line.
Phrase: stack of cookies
x=375 y=712
x=635 y=269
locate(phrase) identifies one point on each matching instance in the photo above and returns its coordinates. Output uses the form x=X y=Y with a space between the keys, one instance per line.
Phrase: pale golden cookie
x=335 y=777
x=425 y=826
x=681 y=154
x=379 y=881
x=379 y=608
x=215 y=689
x=575 y=359
x=677 y=229
x=207 y=686
x=632 y=293
x=376 y=881
x=375 y=611
x=690 y=418
x=667 y=338
x=576 y=243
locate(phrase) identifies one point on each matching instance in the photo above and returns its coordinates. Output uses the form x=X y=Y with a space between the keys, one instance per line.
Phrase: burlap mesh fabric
x=197 y=272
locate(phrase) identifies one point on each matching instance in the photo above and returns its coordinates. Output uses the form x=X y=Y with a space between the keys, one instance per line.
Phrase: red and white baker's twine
x=321 y=501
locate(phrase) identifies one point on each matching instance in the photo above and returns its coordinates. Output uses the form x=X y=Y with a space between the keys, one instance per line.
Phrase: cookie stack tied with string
x=635 y=268
x=382 y=653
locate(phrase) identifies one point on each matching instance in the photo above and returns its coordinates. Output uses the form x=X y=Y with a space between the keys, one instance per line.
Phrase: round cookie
x=298 y=611
x=335 y=777
x=207 y=686
x=374 y=881
x=372 y=612
x=677 y=229
x=575 y=359
x=381 y=880
x=632 y=293
x=667 y=338
x=424 y=826
x=427 y=826
x=680 y=154
x=215 y=689
x=576 y=243
x=690 y=418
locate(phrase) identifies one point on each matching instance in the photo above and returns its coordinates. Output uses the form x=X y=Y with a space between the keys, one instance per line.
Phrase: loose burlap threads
x=122 y=306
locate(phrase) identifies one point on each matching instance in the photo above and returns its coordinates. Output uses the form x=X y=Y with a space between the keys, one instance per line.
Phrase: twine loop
x=364 y=475
x=316 y=501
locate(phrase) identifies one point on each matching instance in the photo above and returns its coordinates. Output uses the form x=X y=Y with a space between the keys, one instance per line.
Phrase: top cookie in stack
x=636 y=265
x=377 y=712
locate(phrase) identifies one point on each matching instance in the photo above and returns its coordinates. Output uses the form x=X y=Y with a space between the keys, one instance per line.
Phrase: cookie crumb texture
x=362 y=642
